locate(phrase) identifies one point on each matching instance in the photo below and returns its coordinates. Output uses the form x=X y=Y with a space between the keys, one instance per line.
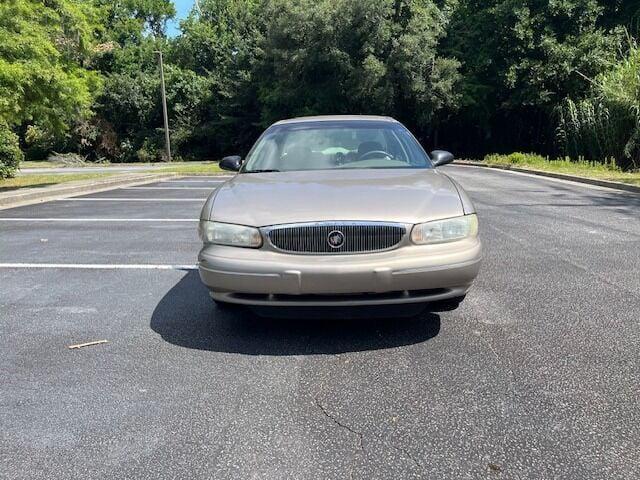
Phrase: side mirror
x=233 y=163
x=441 y=157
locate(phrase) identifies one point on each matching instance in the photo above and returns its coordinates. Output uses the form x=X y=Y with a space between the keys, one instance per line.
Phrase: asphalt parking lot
x=535 y=376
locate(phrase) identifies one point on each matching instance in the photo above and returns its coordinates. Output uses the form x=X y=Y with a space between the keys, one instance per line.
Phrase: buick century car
x=339 y=211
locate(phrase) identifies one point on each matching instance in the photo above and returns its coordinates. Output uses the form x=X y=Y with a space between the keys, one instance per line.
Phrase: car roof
x=337 y=118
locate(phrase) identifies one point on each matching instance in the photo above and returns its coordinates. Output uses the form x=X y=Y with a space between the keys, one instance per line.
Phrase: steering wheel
x=366 y=155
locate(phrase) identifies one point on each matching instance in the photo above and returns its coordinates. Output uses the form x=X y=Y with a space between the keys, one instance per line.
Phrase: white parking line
x=99 y=266
x=118 y=199
x=194 y=181
x=208 y=176
x=169 y=188
x=540 y=177
x=155 y=220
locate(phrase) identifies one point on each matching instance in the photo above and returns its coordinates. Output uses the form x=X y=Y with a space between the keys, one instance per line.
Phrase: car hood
x=393 y=195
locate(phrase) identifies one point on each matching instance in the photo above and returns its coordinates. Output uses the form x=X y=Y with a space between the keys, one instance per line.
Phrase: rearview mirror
x=441 y=157
x=233 y=163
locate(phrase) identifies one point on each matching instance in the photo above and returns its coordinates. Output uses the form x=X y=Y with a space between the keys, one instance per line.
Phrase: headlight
x=229 y=234
x=443 y=231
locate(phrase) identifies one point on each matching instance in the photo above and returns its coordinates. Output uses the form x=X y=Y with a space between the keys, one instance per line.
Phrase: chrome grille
x=358 y=237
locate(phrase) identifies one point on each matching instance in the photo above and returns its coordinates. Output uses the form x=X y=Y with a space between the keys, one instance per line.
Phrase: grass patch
x=188 y=168
x=45 y=180
x=39 y=164
x=581 y=168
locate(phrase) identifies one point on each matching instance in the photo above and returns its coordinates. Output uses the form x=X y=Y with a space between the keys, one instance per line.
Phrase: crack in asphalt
x=360 y=436
x=326 y=413
x=408 y=455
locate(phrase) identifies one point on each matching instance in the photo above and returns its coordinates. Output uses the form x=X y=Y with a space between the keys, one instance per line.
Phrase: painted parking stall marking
x=208 y=176
x=194 y=181
x=129 y=199
x=122 y=229
x=168 y=188
x=99 y=266
x=116 y=220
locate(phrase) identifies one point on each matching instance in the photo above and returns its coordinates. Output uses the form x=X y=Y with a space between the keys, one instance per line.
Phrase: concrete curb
x=29 y=196
x=560 y=176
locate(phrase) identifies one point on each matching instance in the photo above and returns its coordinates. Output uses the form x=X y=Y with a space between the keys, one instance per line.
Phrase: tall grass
x=604 y=169
x=607 y=123
x=566 y=164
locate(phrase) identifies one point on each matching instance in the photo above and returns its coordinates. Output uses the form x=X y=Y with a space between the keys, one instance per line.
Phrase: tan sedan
x=339 y=211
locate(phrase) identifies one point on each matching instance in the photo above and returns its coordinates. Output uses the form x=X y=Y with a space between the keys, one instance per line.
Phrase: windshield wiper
x=266 y=170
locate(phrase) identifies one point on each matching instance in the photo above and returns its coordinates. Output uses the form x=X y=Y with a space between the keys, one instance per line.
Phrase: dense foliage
x=475 y=76
x=44 y=87
x=10 y=153
x=606 y=124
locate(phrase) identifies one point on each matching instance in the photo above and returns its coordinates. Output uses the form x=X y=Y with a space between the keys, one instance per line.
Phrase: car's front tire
x=447 y=305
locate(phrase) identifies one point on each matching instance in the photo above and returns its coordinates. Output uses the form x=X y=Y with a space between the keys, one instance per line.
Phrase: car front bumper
x=410 y=274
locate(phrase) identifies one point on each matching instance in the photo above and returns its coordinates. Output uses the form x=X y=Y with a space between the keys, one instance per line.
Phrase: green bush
x=533 y=160
x=516 y=158
x=10 y=153
x=150 y=152
x=607 y=123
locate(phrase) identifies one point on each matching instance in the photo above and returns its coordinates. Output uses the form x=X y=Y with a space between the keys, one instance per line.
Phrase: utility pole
x=164 y=108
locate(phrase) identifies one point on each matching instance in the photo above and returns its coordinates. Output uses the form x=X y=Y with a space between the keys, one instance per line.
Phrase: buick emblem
x=335 y=239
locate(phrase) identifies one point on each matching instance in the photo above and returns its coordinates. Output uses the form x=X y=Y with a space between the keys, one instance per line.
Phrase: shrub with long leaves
x=607 y=123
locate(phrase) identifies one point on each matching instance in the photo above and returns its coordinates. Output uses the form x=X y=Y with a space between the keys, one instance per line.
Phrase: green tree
x=130 y=21
x=130 y=108
x=220 y=43
x=472 y=75
x=43 y=47
x=127 y=112
x=371 y=56
x=520 y=59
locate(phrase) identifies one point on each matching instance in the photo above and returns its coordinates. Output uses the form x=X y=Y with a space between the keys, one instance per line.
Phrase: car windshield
x=335 y=145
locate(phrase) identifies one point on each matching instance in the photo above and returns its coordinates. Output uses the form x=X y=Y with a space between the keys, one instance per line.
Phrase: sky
x=183 y=7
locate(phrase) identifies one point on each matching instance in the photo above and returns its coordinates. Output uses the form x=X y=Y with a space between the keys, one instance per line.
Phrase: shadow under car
x=187 y=317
